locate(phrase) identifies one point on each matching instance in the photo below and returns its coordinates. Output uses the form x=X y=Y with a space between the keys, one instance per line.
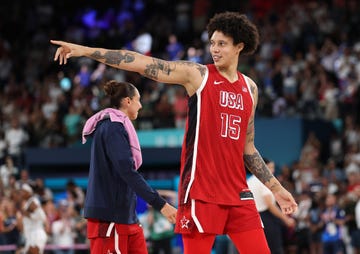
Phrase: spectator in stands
x=75 y=194
x=194 y=55
x=48 y=107
x=52 y=134
x=143 y=42
x=51 y=211
x=63 y=229
x=316 y=225
x=3 y=147
x=180 y=107
x=351 y=134
x=24 y=178
x=12 y=188
x=302 y=217
x=164 y=114
x=34 y=222
x=7 y=169
x=332 y=220
x=83 y=77
x=161 y=231
x=73 y=121
x=348 y=203
x=332 y=173
x=80 y=229
x=44 y=193
x=10 y=228
x=174 y=49
x=308 y=91
x=16 y=137
x=355 y=236
x=146 y=115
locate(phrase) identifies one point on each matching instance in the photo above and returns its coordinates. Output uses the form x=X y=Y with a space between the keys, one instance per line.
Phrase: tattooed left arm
x=256 y=165
x=252 y=159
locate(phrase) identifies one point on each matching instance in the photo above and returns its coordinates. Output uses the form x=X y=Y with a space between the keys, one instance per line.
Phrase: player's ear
x=240 y=46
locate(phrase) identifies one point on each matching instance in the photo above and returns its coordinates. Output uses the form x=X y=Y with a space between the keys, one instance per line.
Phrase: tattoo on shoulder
x=252 y=88
x=257 y=166
x=201 y=68
x=113 y=57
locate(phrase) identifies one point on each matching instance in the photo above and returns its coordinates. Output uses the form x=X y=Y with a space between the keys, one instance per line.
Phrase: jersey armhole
x=246 y=78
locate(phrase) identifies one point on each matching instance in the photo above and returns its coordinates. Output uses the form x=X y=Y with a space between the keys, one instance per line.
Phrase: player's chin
x=218 y=64
x=133 y=117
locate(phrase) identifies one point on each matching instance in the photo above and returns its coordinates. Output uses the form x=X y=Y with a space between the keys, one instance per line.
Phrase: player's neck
x=229 y=73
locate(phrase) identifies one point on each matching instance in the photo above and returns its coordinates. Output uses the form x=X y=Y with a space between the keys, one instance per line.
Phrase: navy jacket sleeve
x=118 y=149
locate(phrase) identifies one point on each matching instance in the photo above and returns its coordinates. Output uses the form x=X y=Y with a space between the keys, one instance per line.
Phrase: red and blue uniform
x=113 y=186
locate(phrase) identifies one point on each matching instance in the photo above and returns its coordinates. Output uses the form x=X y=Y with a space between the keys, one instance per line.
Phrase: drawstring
x=111 y=226
x=116 y=238
x=117 y=243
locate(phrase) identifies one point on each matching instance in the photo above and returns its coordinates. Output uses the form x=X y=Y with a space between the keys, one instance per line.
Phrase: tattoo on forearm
x=257 y=166
x=113 y=57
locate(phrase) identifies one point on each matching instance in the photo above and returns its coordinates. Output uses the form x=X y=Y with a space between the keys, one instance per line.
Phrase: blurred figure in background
x=332 y=221
x=3 y=146
x=355 y=236
x=7 y=169
x=16 y=137
x=63 y=230
x=34 y=222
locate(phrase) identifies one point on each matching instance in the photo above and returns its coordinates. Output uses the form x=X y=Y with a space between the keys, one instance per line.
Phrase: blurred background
x=307 y=68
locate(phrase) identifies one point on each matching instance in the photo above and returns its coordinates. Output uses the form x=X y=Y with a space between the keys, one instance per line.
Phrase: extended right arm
x=188 y=74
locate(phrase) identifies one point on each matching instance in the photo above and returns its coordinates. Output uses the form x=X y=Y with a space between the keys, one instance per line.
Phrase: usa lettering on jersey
x=231 y=100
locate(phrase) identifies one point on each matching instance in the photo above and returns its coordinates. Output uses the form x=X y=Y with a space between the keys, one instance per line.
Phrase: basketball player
x=110 y=202
x=219 y=137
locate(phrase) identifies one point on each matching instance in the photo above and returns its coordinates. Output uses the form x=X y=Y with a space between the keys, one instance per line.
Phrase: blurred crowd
x=307 y=65
x=64 y=224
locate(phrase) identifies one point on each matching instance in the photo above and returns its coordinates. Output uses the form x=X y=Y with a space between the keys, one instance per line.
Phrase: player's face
x=223 y=51
x=134 y=106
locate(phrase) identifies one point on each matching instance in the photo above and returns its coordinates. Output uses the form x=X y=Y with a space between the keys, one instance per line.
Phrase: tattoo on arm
x=113 y=57
x=200 y=67
x=166 y=67
x=250 y=135
x=257 y=166
x=254 y=93
x=152 y=70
